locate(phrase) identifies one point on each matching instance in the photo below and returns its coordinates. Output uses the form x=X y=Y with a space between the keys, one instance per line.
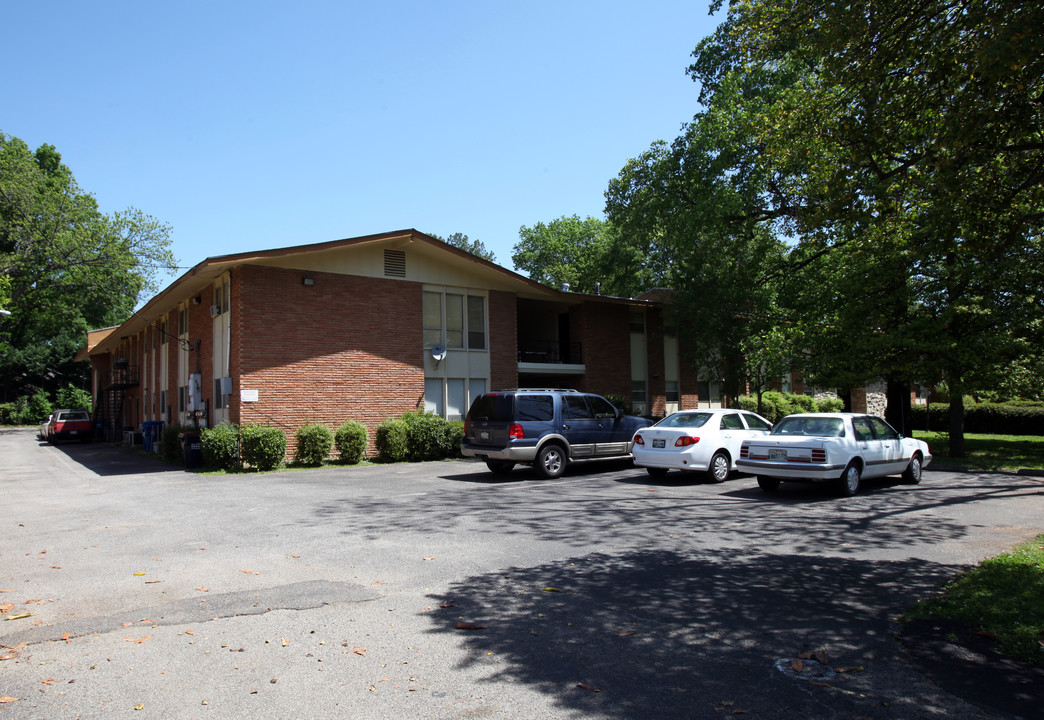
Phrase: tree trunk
x=956 y=388
x=898 y=412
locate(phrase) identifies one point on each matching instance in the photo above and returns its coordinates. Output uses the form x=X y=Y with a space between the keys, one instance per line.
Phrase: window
x=220 y=400
x=454 y=319
x=884 y=430
x=731 y=422
x=182 y=398
x=637 y=392
x=756 y=423
x=540 y=408
x=476 y=322
x=433 y=396
x=162 y=327
x=222 y=298
x=862 y=429
x=574 y=407
x=163 y=403
x=673 y=394
x=601 y=407
x=432 y=318
x=183 y=321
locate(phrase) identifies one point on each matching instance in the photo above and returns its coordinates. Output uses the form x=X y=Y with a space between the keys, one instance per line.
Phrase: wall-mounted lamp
x=309 y=281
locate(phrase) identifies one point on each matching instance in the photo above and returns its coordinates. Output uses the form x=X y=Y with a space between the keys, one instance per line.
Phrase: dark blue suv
x=546 y=429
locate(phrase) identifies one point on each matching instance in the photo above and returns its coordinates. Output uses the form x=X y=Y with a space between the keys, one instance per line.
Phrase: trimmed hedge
x=351 y=440
x=314 y=443
x=777 y=405
x=262 y=447
x=391 y=440
x=1015 y=418
x=220 y=446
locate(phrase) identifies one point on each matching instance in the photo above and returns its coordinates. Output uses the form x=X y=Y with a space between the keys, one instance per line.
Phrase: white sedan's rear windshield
x=684 y=419
x=813 y=426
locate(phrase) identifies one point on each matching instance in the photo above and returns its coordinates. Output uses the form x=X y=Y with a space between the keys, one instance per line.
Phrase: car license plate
x=659 y=443
x=777 y=454
x=73 y=432
x=483 y=435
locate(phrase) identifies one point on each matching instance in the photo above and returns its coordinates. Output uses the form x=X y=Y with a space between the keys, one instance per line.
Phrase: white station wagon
x=841 y=448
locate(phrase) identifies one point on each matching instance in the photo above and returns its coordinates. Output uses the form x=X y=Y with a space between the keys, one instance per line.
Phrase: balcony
x=121 y=376
x=551 y=358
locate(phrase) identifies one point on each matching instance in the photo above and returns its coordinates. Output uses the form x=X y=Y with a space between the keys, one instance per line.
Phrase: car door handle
x=566 y=427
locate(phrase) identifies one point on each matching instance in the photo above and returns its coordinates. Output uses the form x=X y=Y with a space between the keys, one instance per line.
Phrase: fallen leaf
x=139 y=574
x=189 y=632
x=139 y=707
x=6 y=607
x=285 y=642
x=852 y=669
x=797 y=665
x=126 y=624
x=626 y=633
x=448 y=605
x=586 y=686
x=19 y=646
x=152 y=582
x=551 y=589
x=18 y=617
x=469 y=626
x=65 y=637
x=430 y=558
x=359 y=651
x=48 y=681
x=139 y=641
x=250 y=572
x=987 y=634
x=35 y=601
x=7 y=699
x=57 y=567
x=295 y=556
x=9 y=656
x=203 y=589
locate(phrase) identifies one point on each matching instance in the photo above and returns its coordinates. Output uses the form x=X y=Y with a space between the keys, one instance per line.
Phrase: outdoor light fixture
x=309 y=281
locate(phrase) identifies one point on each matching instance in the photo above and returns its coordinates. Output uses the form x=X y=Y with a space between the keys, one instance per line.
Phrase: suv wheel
x=550 y=461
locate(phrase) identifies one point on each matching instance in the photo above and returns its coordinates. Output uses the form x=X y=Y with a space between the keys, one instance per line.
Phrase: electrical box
x=195 y=392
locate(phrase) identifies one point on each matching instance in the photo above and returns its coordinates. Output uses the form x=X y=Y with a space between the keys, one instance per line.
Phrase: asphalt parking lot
x=438 y=590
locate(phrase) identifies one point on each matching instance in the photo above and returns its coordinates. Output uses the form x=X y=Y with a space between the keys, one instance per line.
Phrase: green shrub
x=454 y=434
x=800 y=403
x=428 y=436
x=351 y=440
x=170 y=445
x=748 y=403
x=262 y=447
x=1013 y=418
x=220 y=446
x=774 y=406
x=314 y=442
x=392 y=440
x=73 y=398
x=39 y=407
x=830 y=404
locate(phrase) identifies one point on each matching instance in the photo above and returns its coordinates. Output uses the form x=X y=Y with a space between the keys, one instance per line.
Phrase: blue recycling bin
x=151 y=430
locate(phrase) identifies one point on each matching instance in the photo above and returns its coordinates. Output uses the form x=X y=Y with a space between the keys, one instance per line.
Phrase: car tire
x=500 y=467
x=912 y=473
x=550 y=461
x=848 y=483
x=718 y=469
x=768 y=484
x=656 y=472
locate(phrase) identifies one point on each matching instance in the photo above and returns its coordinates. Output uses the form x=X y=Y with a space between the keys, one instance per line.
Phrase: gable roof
x=202 y=275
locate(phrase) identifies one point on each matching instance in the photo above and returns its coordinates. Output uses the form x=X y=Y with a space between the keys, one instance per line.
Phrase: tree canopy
x=475 y=247
x=65 y=267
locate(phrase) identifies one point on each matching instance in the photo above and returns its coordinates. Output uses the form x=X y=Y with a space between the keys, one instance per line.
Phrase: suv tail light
x=516 y=432
x=686 y=441
x=638 y=440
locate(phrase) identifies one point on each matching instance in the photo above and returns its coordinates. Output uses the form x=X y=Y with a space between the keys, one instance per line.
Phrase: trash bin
x=151 y=430
x=191 y=449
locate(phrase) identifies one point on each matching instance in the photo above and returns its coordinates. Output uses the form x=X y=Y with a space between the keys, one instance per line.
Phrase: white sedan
x=703 y=440
x=841 y=448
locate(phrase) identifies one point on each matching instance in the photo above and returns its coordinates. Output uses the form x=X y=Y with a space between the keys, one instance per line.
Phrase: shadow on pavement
x=658 y=633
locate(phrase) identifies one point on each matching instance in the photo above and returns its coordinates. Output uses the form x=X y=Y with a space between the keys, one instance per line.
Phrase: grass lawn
x=1003 y=596
x=989 y=452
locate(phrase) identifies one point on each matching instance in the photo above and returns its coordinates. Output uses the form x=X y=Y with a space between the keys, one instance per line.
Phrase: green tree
x=589 y=254
x=475 y=247
x=66 y=267
x=912 y=144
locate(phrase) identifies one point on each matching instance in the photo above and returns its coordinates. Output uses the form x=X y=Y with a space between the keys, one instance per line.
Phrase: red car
x=70 y=425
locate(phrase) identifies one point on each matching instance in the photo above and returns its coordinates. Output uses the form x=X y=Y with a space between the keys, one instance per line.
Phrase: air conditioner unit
x=215 y=310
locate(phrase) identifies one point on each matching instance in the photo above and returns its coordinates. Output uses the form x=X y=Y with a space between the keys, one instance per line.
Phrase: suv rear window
x=493 y=406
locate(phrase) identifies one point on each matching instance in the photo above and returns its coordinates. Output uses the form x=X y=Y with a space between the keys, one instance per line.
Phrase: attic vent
x=395 y=263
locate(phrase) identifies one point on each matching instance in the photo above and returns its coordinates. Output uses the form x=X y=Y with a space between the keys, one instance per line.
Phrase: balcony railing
x=121 y=376
x=552 y=353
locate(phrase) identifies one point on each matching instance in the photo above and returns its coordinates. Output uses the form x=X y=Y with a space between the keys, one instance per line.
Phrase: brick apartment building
x=367 y=328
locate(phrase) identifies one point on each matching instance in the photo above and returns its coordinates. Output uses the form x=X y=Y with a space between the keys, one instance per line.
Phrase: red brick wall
x=346 y=348
x=503 y=340
x=604 y=331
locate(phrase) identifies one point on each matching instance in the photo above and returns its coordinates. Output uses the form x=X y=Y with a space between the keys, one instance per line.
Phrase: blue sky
x=255 y=125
